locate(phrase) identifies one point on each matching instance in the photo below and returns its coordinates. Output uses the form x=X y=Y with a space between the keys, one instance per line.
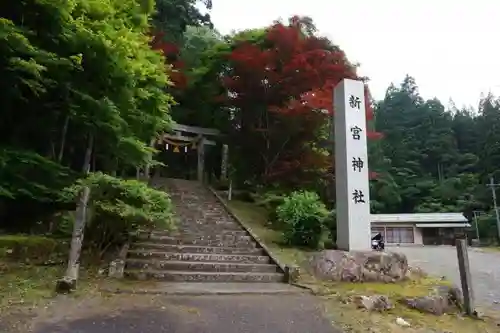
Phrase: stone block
x=65 y=285
x=292 y=274
x=378 y=303
x=359 y=266
x=443 y=299
x=116 y=269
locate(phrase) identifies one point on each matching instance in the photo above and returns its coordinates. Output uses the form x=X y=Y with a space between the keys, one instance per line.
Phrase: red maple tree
x=174 y=65
x=280 y=89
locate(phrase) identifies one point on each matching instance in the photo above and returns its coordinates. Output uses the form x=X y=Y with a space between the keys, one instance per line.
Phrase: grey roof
x=419 y=218
x=443 y=225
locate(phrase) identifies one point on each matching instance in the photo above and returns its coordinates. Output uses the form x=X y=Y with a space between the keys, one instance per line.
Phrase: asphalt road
x=442 y=261
x=195 y=314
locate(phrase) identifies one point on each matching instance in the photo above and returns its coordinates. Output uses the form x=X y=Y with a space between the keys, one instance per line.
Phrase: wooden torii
x=185 y=133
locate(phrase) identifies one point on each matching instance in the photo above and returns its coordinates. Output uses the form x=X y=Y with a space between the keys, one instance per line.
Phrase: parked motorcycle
x=378 y=242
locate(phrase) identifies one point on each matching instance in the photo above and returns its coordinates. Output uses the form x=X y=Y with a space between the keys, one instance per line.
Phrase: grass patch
x=31 y=265
x=494 y=249
x=255 y=217
x=344 y=313
x=26 y=284
x=411 y=288
x=31 y=285
x=23 y=280
x=29 y=268
x=336 y=295
x=32 y=249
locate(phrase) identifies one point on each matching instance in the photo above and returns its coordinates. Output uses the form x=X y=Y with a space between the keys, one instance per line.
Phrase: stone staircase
x=209 y=245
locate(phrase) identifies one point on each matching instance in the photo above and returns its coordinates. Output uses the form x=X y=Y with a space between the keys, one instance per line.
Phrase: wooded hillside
x=87 y=84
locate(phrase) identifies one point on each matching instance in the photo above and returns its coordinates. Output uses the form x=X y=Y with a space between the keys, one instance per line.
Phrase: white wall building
x=419 y=229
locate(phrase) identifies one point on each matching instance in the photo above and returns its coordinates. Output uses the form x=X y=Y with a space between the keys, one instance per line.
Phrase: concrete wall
x=417 y=234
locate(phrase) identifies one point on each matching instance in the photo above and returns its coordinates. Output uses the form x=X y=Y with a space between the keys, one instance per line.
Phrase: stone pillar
x=225 y=156
x=351 y=167
x=201 y=159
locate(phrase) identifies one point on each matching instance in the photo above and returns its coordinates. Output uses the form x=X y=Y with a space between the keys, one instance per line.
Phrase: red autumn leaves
x=278 y=89
x=174 y=64
x=300 y=68
x=291 y=74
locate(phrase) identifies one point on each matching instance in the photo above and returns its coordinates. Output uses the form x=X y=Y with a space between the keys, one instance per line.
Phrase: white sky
x=449 y=47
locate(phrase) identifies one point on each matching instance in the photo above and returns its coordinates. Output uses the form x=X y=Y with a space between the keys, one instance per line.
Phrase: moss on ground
x=31 y=285
x=336 y=296
x=32 y=249
x=344 y=313
x=28 y=273
x=25 y=284
x=29 y=268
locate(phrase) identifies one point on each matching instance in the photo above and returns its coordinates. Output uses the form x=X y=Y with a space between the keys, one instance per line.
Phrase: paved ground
x=442 y=261
x=205 y=288
x=193 y=314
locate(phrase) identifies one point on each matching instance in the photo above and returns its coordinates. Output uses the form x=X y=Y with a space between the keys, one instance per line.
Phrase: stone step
x=187 y=221
x=210 y=227
x=203 y=214
x=205 y=231
x=205 y=235
x=196 y=232
x=200 y=207
x=235 y=242
x=203 y=257
x=181 y=276
x=209 y=223
x=197 y=249
x=193 y=214
x=170 y=265
x=200 y=216
x=241 y=235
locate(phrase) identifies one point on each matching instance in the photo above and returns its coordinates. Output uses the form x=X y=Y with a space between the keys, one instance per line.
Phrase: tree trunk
x=88 y=155
x=68 y=282
x=63 y=139
x=77 y=236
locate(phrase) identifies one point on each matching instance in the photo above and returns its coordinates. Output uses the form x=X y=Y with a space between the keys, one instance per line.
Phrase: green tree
x=89 y=71
x=87 y=68
x=425 y=163
x=174 y=16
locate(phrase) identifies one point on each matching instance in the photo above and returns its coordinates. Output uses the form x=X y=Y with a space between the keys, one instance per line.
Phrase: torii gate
x=185 y=133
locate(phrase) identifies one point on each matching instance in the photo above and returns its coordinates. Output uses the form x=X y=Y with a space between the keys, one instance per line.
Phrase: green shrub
x=32 y=249
x=331 y=225
x=220 y=184
x=303 y=215
x=62 y=224
x=118 y=207
x=487 y=227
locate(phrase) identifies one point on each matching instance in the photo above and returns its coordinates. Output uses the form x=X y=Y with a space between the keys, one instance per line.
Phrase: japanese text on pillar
x=357 y=162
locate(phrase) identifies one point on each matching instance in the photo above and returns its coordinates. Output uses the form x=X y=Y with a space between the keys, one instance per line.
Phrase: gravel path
x=442 y=261
x=200 y=314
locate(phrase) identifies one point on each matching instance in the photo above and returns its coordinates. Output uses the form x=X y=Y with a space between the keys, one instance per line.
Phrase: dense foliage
x=81 y=89
x=86 y=84
x=120 y=207
x=434 y=159
x=32 y=249
x=302 y=215
x=269 y=90
x=264 y=88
